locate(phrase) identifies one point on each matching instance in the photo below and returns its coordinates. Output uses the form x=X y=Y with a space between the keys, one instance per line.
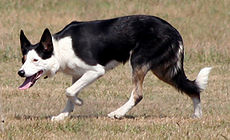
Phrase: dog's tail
x=191 y=88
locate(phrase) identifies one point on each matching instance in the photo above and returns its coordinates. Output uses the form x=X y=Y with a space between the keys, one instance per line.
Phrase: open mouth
x=30 y=81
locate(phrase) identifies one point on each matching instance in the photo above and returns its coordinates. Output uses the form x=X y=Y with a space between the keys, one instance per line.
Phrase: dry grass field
x=164 y=113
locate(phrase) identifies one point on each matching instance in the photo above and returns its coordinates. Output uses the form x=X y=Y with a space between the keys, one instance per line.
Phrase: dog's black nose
x=21 y=73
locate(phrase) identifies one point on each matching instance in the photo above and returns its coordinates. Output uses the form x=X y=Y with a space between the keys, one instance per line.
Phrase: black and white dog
x=86 y=50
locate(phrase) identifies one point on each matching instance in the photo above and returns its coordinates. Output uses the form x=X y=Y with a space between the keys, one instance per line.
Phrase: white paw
x=78 y=101
x=59 y=117
x=116 y=115
x=75 y=100
x=197 y=115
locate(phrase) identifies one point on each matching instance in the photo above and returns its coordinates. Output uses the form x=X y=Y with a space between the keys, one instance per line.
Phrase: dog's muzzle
x=21 y=73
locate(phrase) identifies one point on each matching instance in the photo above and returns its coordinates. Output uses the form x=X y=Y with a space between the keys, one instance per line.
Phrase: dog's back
x=98 y=42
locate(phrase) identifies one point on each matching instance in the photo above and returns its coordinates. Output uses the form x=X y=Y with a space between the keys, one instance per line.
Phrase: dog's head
x=37 y=59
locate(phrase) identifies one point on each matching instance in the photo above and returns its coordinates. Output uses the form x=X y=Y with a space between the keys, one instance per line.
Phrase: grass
x=163 y=114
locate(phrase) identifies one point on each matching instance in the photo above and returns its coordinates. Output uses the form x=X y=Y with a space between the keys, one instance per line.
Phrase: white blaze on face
x=32 y=64
x=32 y=70
x=34 y=67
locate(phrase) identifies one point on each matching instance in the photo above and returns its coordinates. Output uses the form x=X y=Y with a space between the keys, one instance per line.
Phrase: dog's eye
x=35 y=60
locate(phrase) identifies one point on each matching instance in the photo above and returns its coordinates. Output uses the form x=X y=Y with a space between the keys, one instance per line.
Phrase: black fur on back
x=100 y=41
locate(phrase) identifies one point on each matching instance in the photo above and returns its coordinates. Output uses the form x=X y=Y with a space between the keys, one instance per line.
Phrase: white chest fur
x=69 y=62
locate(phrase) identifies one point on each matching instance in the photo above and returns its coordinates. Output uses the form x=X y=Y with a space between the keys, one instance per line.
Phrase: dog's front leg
x=68 y=108
x=85 y=80
x=72 y=92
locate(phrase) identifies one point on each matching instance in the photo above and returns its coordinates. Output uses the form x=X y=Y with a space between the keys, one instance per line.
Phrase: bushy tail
x=202 y=78
x=192 y=88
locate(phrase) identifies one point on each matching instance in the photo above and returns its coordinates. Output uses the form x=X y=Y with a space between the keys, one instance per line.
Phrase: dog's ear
x=45 y=46
x=46 y=41
x=25 y=43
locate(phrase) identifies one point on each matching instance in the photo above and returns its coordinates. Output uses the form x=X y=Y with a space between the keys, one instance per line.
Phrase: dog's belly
x=112 y=64
x=76 y=71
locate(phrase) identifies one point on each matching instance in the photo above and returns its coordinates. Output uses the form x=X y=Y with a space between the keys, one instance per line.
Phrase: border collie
x=87 y=50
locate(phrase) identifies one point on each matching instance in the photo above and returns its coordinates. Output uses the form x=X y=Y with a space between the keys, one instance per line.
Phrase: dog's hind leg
x=68 y=108
x=191 y=88
x=136 y=95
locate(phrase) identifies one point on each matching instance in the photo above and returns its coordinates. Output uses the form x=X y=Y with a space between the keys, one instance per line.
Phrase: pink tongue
x=27 y=83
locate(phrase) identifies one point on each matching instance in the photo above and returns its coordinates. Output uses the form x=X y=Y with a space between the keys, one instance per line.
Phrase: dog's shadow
x=31 y=117
x=89 y=116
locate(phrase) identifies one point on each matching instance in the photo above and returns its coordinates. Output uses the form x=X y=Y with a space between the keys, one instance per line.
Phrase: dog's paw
x=59 y=117
x=78 y=101
x=196 y=116
x=115 y=115
x=75 y=100
x=56 y=118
